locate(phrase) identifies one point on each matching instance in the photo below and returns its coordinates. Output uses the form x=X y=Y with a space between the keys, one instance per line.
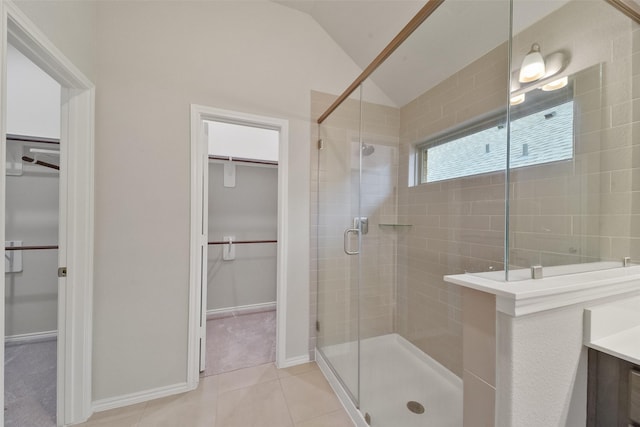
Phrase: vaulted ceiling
x=459 y=32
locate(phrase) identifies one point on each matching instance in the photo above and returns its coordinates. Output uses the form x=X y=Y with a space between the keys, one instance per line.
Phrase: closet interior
x=31 y=245
x=242 y=246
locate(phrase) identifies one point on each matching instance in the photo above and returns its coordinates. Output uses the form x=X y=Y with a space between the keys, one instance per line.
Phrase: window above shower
x=498 y=174
x=541 y=132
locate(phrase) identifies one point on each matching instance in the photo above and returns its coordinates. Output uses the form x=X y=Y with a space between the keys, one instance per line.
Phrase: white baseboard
x=139 y=397
x=30 y=338
x=293 y=361
x=218 y=313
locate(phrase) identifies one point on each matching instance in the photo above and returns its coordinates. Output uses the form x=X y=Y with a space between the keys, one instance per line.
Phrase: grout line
x=142 y=412
x=286 y=402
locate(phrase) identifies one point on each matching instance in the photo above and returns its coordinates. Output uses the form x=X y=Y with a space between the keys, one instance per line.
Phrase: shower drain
x=415 y=407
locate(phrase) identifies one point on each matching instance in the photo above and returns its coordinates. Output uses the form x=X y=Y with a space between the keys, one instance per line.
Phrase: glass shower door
x=433 y=196
x=338 y=243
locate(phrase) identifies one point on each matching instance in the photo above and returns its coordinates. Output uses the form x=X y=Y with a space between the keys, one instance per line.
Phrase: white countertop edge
x=624 y=345
x=611 y=352
x=532 y=296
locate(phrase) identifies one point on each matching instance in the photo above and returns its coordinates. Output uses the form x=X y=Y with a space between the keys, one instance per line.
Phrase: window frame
x=538 y=101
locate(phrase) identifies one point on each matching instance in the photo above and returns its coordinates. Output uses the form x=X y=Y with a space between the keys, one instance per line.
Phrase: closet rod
x=242 y=242
x=38 y=139
x=243 y=160
x=28 y=248
x=40 y=163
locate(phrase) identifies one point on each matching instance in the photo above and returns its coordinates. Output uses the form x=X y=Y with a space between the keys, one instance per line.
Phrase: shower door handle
x=346 y=241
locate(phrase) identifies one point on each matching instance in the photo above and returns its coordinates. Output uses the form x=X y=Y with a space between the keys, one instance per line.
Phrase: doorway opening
x=71 y=224
x=239 y=228
x=242 y=218
x=32 y=194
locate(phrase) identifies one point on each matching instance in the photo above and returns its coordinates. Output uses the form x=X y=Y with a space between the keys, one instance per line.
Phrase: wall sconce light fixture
x=533 y=67
x=518 y=99
x=556 y=84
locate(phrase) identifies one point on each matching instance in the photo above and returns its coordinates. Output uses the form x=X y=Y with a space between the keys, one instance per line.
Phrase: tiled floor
x=262 y=396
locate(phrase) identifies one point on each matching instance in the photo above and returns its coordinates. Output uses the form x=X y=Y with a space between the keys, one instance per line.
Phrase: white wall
x=541 y=369
x=33 y=98
x=248 y=211
x=33 y=109
x=150 y=61
x=31 y=295
x=239 y=141
x=70 y=25
x=154 y=60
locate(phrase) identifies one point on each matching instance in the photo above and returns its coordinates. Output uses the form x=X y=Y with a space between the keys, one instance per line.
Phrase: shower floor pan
x=394 y=373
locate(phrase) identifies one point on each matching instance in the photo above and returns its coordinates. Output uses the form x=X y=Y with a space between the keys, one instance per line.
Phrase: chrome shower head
x=367 y=150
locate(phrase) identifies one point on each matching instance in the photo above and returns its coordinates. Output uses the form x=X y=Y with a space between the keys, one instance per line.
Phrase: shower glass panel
x=434 y=192
x=339 y=231
x=463 y=160
x=572 y=153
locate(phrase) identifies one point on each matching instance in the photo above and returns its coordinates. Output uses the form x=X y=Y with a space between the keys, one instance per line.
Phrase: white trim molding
x=568 y=286
x=3 y=155
x=218 y=313
x=294 y=361
x=200 y=114
x=30 y=338
x=75 y=292
x=139 y=397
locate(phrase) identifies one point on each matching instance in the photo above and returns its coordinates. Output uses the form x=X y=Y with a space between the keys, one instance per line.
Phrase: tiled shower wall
x=338 y=301
x=581 y=210
x=451 y=220
x=561 y=213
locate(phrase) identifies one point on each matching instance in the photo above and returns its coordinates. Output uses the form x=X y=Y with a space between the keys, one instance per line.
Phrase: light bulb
x=518 y=99
x=556 y=84
x=533 y=67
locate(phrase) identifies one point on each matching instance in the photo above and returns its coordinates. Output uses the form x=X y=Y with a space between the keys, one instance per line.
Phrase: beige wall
x=478 y=358
x=70 y=25
x=150 y=61
x=248 y=211
x=155 y=59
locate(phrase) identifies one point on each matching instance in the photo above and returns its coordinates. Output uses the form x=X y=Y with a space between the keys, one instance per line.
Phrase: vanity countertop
x=623 y=345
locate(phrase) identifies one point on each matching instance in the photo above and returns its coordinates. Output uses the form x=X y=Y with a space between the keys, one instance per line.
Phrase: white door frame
x=199 y=175
x=75 y=292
